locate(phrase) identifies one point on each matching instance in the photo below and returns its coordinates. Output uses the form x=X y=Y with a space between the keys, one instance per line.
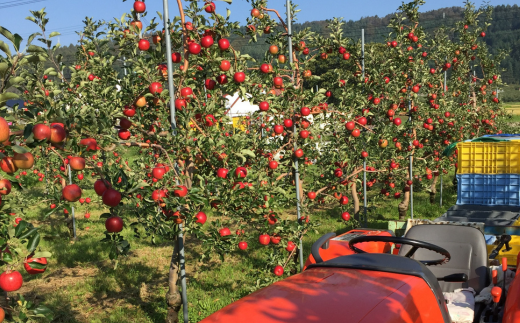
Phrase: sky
x=66 y=16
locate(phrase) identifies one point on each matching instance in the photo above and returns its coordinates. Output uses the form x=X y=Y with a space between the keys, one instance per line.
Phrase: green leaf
x=20 y=150
x=7 y=257
x=7 y=96
x=7 y=34
x=28 y=233
x=248 y=153
x=241 y=156
x=48 y=214
x=35 y=49
x=27 y=131
x=5 y=48
x=34 y=241
x=11 y=231
x=15 y=81
x=30 y=39
x=228 y=1
x=49 y=70
x=36 y=265
x=105 y=216
x=17 y=41
x=20 y=228
x=41 y=309
x=54 y=34
x=42 y=254
x=3 y=68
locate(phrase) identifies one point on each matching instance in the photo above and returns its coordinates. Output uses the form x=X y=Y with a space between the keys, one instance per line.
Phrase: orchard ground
x=80 y=288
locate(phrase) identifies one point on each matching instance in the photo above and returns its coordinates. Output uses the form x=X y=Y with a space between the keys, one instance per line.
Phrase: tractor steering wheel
x=415 y=244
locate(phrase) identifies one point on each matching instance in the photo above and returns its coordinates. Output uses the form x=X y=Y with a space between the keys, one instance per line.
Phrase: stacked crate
x=488 y=171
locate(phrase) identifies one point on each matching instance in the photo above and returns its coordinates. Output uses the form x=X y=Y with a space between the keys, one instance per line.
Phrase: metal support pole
x=295 y=160
x=171 y=90
x=44 y=153
x=124 y=64
x=364 y=161
x=411 y=160
x=444 y=90
x=72 y=209
x=140 y=30
x=440 y=202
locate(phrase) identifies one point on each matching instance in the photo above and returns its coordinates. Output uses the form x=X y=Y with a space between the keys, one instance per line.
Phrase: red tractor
x=435 y=273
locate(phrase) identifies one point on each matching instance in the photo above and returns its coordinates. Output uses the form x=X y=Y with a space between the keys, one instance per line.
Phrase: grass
x=514 y=109
x=81 y=285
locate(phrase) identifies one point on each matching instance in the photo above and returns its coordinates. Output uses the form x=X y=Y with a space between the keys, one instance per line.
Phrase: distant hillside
x=504 y=33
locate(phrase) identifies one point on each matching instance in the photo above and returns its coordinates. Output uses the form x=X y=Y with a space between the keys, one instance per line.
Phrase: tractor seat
x=467 y=248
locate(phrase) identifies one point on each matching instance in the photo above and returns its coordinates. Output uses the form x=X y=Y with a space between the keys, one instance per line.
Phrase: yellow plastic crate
x=489 y=157
x=237 y=123
x=512 y=254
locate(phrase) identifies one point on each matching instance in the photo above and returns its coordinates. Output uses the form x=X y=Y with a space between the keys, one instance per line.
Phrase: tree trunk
x=405 y=203
x=355 y=200
x=433 y=189
x=70 y=226
x=301 y=190
x=455 y=182
x=403 y=206
x=189 y=170
x=173 y=296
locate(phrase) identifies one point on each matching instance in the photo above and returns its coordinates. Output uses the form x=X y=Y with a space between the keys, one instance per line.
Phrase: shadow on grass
x=126 y=283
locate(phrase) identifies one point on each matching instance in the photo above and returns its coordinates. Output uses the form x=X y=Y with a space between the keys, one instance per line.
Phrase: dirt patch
x=58 y=279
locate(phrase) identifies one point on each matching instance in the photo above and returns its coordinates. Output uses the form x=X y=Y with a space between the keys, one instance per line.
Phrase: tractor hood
x=337 y=295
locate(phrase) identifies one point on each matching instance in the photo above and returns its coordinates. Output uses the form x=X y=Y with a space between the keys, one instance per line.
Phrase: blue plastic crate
x=483 y=189
x=504 y=135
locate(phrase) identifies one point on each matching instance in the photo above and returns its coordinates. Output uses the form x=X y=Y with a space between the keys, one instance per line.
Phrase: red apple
x=139 y=6
x=11 y=281
x=224 y=232
x=34 y=271
x=71 y=193
x=100 y=186
x=40 y=132
x=155 y=88
x=182 y=191
x=144 y=45
x=194 y=48
x=290 y=246
x=264 y=239
x=264 y=106
x=201 y=217
x=239 y=77
x=222 y=172
x=223 y=44
x=114 y=224
x=207 y=41
x=241 y=172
